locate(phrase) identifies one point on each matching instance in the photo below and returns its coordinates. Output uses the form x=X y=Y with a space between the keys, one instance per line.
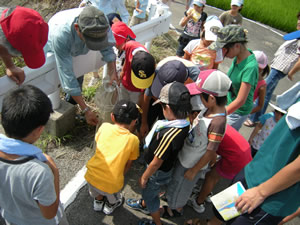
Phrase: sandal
x=249 y=123
x=167 y=214
x=195 y=221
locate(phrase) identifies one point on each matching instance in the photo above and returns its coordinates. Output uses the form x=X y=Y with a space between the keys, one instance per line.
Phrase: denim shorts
x=151 y=193
x=236 y=120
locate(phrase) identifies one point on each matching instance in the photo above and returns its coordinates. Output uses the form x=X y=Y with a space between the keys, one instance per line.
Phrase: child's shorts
x=151 y=193
x=111 y=198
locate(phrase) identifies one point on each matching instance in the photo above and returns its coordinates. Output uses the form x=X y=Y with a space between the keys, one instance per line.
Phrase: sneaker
x=98 y=205
x=109 y=208
x=137 y=205
x=198 y=208
x=208 y=197
x=93 y=81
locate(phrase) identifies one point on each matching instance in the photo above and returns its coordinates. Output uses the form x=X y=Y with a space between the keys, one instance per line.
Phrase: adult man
x=74 y=32
x=23 y=32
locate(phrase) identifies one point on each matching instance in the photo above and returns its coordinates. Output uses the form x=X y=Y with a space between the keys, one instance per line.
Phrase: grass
x=280 y=14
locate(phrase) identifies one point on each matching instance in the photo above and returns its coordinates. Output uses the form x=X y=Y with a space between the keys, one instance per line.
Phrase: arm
x=187 y=4
x=145 y=107
x=254 y=132
x=283 y=179
x=13 y=72
x=261 y=99
x=185 y=19
x=68 y=79
x=240 y=99
x=151 y=169
x=187 y=56
x=206 y=158
x=50 y=211
x=295 y=69
x=127 y=166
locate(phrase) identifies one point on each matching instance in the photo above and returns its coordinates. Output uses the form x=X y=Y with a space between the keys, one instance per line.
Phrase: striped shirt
x=165 y=145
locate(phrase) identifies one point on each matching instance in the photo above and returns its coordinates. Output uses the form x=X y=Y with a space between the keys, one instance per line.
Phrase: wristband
x=85 y=110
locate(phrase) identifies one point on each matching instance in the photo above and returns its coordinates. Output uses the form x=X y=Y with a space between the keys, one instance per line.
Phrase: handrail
x=46 y=77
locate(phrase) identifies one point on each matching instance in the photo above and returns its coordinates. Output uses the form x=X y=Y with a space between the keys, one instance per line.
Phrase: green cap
x=228 y=34
x=94 y=26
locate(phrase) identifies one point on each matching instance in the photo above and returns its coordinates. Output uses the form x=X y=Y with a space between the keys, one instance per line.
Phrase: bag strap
x=16 y=162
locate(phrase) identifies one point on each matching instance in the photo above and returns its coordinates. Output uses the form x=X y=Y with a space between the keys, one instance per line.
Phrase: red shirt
x=129 y=47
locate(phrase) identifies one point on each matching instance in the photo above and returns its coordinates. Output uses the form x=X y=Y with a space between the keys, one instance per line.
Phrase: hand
x=250 y=141
x=139 y=11
x=16 y=74
x=190 y=174
x=290 y=217
x=91 y=118
x=113 y=78
x=249 y=200
x=290 y=76
x=143 y=182
x=144 y=129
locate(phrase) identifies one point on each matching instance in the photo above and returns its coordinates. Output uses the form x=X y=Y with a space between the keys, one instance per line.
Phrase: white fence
x=46 y=77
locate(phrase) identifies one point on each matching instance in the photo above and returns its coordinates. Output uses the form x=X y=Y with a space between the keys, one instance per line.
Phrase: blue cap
x=292 y=36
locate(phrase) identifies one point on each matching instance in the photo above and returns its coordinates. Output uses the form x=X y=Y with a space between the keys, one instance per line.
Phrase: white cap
x=209 y=27
x=261 y=59
x=236 y=2
x=199 y=3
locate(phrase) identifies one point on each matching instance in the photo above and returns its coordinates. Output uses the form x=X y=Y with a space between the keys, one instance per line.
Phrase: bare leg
x=211 y=179
x=156 y=217
x=99 y=197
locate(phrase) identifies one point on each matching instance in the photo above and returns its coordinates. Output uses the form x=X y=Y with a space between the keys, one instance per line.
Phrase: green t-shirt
x=246 y=71
x=280 y=148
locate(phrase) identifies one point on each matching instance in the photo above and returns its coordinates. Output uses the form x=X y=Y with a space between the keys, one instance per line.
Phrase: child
x=139 y=66
x=197 y=50
x=235 y=154
x=260 y=90
x=29 y=179
x=243 y=72
x=192 y=22
x=139 y=13
x=263 y=129
x=232 y=16
x=202 y=142
x=164 y=141
x=116 y=147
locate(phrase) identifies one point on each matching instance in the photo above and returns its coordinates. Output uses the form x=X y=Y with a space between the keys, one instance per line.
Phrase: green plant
x=47 y=139
x=89 y=92
x=275 y=13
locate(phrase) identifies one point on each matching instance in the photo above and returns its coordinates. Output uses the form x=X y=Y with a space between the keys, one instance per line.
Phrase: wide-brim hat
x=277 y=108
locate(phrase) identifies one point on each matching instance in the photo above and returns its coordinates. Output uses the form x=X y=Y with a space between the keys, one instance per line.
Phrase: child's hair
x=125 y=111
x=298 y=15
x=221 y=101
x=181 y=111
x=24 y=110
x=266 y=71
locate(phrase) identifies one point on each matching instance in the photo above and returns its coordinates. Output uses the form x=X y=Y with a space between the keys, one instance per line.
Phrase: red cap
x=27 y=32
x=121 y=32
